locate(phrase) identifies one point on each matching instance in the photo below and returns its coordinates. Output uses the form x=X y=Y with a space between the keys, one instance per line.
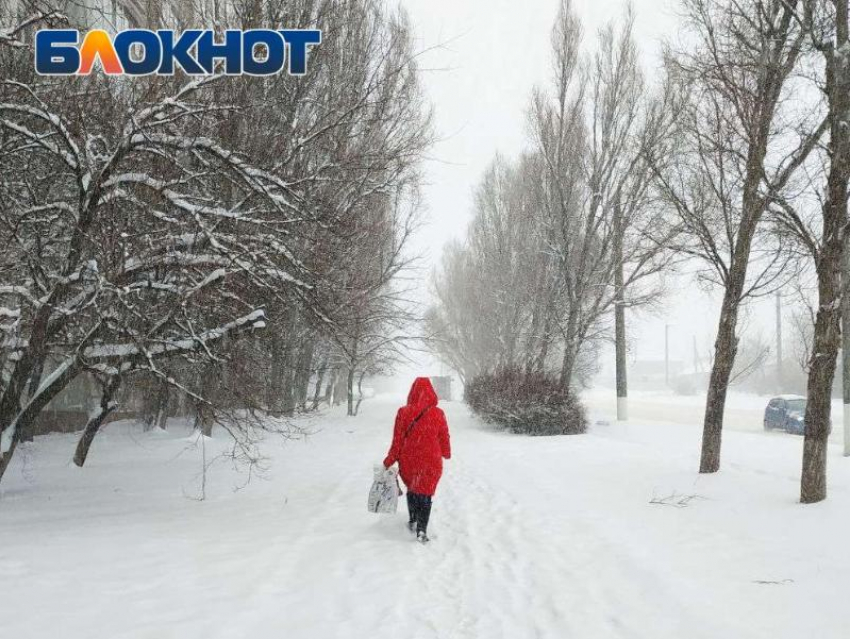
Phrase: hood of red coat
x=422 y=394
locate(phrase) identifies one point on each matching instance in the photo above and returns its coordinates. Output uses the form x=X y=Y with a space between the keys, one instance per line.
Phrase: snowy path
x=549 y=537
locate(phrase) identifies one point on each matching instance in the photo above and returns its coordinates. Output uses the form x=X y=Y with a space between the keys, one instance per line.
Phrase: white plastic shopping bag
x=383 y=496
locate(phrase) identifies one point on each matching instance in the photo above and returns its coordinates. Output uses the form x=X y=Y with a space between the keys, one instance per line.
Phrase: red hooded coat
x=420 y=450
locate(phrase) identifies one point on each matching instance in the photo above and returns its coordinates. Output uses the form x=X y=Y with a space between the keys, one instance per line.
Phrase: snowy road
x=549 y=537
x=744 y=412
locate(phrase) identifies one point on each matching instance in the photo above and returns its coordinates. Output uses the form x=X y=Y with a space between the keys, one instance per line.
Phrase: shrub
x=526 y=403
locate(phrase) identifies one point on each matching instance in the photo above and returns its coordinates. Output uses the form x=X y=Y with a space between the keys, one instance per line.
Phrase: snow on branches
x=147 y=223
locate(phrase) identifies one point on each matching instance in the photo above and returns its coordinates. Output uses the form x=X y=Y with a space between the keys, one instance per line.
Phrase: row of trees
x=738 y=161
x=758 y=178
x=232 y=241
x=565 y=234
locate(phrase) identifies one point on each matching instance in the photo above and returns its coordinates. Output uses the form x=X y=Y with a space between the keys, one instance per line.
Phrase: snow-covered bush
x=526 y=403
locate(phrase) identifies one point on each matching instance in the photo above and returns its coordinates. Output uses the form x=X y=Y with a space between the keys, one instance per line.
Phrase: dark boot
x=424 y=516
x=411 y=510
x=420 y=512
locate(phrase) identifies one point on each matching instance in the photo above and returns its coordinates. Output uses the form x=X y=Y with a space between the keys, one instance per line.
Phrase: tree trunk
x=303 y=374
x=204 y=412
x=162 y=422
x=359 y=392
x=275 y=379
x=290 y=373
x=32 y=387
x=725 y=349
x=157 y=414
x=6 y=458
x=339 y=388
x=35 y=378
x=845 y=341
x=827 y=323
x=317 y=393
x=203 y=420
x=21 y=420
x=287 y=403
x=34 y=357
x=349 y=385
x=96 y=421
x=545 y=342
x=531 y=341
x=279 y=386
x=567 y=365
x=569 y=361
x=329 y=389
x=726 y=344
x=821 y=374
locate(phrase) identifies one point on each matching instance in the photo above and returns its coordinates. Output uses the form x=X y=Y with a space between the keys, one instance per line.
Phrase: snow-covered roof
x=790 y=397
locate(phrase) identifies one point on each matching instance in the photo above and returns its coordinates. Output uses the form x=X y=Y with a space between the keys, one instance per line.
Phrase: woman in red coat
x=420 y=443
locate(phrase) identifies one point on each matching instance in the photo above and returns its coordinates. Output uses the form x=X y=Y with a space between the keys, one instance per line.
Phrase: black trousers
x=419 y=507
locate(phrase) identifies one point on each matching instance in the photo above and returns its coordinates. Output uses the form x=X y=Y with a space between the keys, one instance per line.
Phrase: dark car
x=786 y=413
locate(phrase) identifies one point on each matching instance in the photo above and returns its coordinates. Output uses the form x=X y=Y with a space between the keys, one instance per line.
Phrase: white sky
x=483 y=59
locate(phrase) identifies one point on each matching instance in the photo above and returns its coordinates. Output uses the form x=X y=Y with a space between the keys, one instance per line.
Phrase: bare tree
x=496 y=305
x=825 y=24
x=835 y=47
x=567 y=234
x=595 y=133
x=731 y=160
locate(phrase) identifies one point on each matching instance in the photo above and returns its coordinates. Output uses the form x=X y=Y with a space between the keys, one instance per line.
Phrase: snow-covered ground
x=548 y=537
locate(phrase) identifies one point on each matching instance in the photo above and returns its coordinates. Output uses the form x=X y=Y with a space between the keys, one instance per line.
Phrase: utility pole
x=779 y=381
x=845 y=338
x=620 y=327
x=667 y=355
x=620 y=347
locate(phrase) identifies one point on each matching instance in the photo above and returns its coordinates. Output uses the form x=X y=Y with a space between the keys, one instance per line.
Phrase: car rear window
x=797 y=404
